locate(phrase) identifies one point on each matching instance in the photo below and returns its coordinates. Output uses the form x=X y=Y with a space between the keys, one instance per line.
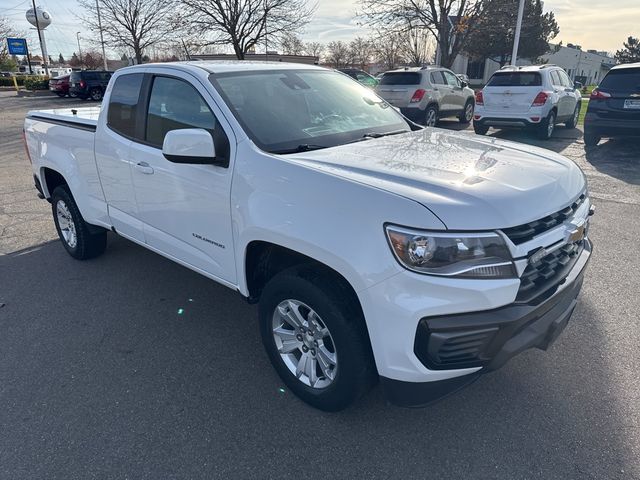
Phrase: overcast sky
x=594 y=24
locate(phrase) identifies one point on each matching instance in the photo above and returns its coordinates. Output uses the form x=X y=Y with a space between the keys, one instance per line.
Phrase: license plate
x=632 y=104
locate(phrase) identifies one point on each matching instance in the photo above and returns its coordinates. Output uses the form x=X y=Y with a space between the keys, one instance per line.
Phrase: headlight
x=467 y=255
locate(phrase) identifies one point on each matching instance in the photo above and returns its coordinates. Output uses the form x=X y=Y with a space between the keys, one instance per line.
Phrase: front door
x=456 y=98
x=185 y=209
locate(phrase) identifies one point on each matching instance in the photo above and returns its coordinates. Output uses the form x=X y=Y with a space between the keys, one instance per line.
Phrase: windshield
x=287 y=109
x=515 y=79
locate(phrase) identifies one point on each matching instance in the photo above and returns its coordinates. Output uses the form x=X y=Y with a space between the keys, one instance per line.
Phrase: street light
x=79 y=49
x=516 y=38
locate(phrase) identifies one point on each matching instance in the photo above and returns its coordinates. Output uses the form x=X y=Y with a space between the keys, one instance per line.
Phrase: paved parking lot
x=100 y=377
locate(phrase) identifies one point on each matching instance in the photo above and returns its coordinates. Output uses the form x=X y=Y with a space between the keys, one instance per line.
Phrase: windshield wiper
x=370 y=135
x=305 y=147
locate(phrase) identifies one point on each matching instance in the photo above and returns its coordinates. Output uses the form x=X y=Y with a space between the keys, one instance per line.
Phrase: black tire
x=91 y=241
x=464 y=117
x=355 y=368
x=95 y=94
x=430 y=118
x=480 y=129
x=544 y=130
x=591 y=140
x=60 y=94
x=573 y=121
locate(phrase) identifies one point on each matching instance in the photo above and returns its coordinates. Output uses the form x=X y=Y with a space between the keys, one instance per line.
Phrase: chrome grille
x=524 y=233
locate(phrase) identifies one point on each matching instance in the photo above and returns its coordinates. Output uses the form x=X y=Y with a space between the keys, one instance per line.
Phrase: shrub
x=36 y=83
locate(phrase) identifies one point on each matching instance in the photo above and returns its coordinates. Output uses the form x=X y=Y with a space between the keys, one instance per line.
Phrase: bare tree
x=418 y=46
x=244 y=24
x=315 y=49
x=337 y=54
x=133 y=24
x=449 y=21
x=360 y=52
x=291 y=44
x=92 y=59
x=389 y=49
x=7 y=31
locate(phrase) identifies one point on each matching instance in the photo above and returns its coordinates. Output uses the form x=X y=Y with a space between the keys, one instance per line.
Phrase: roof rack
x=546 y=65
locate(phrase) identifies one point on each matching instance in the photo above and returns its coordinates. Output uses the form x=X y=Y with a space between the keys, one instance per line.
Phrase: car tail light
x=24 y=140
x=540 y=99
x=82 y=84
x=599 y=95
x=417 y=96
x=479 y=98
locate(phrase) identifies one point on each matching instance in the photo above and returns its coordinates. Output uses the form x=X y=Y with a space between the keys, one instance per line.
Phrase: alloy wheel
x=431 y=118
x=66 y=224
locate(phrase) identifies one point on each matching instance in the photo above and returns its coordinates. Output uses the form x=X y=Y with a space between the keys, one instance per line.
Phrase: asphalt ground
x=102 y=377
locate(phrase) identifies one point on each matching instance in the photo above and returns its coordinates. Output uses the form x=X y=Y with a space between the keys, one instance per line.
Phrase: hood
x=469 y=182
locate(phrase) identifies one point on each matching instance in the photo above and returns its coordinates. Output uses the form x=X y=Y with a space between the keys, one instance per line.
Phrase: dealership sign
x=17 y=46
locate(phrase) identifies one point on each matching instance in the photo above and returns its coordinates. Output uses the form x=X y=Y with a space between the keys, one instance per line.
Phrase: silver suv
x=427 y=94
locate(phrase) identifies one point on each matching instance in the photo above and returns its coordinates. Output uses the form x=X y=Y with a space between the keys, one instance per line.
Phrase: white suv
x=538 y=96
x=425 y=95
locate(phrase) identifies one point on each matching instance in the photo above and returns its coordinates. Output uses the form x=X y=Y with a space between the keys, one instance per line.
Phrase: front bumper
x=478 y=342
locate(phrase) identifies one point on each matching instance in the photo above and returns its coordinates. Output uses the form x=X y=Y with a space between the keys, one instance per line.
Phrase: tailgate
x=509 y=99
x=397 y=95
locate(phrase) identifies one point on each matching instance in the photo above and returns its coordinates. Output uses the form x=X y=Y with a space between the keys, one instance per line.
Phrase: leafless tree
x=134 y=24
x=360 y=52
x=7 y=30
x=449 y=21
x=244 y=24
x=389 y=49
x=337 y=54
x=315 y=49
x=291 y=44
x=418 y=46
x=92 y=59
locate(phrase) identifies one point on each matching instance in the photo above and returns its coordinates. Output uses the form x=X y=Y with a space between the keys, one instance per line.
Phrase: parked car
x=614 y=106
x=427 y=94
x=60 y=86
x=89 y=84
x=536 y=96
x=375 y=249
x=361 y=76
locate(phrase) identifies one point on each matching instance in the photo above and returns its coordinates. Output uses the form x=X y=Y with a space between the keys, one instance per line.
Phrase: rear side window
x=515 y=79
x=175 y=104
x=401 y=78
x=622 y=80
x=437 y=78
x=123 y=104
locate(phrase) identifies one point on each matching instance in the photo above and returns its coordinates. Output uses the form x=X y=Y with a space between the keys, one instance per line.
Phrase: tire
x=430 y=116
x=60 y=94
x=466 y=115
x=73 y=95
x=480 y=129
x=81 y=240
x=95 y=94
x=315 y=295
x=591 y=139
x=547 y=126
x=573 y=121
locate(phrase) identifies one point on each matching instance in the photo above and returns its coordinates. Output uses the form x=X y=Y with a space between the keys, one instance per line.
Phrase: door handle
x=144 y=167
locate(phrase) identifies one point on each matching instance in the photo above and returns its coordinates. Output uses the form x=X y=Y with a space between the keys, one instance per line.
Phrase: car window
x=565 y=79
x=173 y=105
x=123 y=104
x=401 y=78
x=555 y=79
x=451 y=79
x=437 y=78
x=625 y=80
x=515 y=79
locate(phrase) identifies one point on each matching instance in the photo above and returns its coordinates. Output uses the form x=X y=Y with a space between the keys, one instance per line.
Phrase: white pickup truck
x=376 y=249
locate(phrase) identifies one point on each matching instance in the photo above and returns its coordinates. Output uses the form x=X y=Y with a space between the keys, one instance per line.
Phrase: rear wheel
x=480 y=129
x=547 y=126
x=431 y=116
x=573 y=121
x=81 y=240
x=315 y=338
x=466 y=115
x=591 y=140
x=96 y=94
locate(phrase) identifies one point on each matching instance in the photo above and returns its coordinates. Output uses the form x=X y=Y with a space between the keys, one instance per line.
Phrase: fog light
x=535 y=119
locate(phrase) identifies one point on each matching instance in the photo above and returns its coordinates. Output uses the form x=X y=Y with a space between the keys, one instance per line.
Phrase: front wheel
x=81 y=240
x=467 y=114
x=480 y=129
x=547 y=126
x=316 y=339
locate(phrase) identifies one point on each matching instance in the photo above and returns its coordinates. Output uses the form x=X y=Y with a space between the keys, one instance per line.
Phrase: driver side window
x=175 y=104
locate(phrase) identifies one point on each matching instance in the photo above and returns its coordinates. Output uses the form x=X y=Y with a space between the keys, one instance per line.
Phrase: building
x=587 y=67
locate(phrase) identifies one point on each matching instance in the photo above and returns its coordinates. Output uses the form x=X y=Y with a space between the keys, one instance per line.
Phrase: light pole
x=43 y=45
x=79 y=49
x=104 y=55
x=516 y=38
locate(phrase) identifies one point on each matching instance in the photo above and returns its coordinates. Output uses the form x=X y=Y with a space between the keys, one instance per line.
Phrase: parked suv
x=614 y=107
x=89 y=84
x=60 y=85
x=427 y=94
x=535 y=96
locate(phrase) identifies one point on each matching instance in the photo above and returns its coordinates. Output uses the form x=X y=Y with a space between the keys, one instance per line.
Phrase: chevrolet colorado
x=376 y=249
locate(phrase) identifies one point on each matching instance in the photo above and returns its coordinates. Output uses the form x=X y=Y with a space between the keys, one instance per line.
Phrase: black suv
x=89 y=84
x=614 y=107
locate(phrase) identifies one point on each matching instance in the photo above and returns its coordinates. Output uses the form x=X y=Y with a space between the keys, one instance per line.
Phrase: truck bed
x=85 y=118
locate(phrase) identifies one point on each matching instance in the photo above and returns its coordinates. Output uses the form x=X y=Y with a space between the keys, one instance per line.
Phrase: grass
x=583 y=111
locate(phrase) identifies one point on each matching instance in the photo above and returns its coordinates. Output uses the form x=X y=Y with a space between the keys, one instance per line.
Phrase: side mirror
x=577 y=85
x=464 y=84
x=191 y=145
